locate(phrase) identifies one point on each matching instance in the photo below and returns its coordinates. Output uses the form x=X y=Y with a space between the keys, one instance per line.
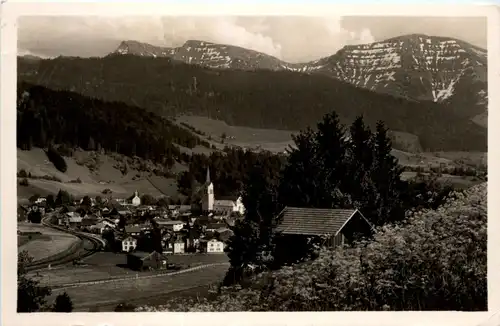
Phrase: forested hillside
x=47 y=116
x=266 y=99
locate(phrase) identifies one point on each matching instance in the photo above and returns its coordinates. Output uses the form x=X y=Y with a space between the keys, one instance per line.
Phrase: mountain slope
x=261 y=99
x=415 y=67
x=204 y=53
x=47 y=116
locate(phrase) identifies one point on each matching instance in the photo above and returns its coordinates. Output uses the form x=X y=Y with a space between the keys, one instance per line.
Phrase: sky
x=289 y=38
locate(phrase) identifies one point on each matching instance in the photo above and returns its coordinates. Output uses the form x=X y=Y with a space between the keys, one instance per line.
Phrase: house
x=129 y=244
x=40 y=200
x=75 y=221
x=337 y=226
x=213 y=227
x=87 y=222
x=179 y=247
x=109 y=223
x=133 y=230
x=99 y=227
x=124 y=212
x=174 y=245
x=144 y=261
x=136 y=201
x=177 y=210
x=175 y=226
x=212 y=246
x=219 y=205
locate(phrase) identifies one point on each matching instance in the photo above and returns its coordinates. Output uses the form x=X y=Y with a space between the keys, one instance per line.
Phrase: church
x=220 y=205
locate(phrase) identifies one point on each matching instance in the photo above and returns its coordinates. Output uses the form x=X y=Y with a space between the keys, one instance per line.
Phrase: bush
x=56 y=159
x=24 y=182
x=22 y=174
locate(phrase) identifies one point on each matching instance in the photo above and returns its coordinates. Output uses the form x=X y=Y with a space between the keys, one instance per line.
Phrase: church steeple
x=208 y=176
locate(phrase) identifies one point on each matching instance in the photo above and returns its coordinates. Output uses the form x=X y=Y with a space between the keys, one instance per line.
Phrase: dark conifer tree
x=386 y=175
x=63 y=303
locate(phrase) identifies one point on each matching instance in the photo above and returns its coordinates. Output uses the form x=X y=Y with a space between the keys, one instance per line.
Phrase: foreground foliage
x=436 y=260
x=31 y=296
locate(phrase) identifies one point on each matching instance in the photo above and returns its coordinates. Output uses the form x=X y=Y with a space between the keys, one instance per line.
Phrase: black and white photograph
x=251 y=163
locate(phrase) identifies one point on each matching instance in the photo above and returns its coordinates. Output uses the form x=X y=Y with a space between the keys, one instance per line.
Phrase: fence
x=136 y=277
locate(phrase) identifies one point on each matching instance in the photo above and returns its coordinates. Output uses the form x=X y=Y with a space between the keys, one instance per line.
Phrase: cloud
x=292 y=39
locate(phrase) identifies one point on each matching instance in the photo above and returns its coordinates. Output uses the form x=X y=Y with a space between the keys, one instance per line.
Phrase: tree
x=162 y=202
x=51 y=201
x=184 y=183
x=35 y=216
x=34 y=198
x=147 y=199
x=31 y=296
x=252 y=243
x=86 y=201
x=63 y=303
x=109 y=237
x=56 y=159
x=63 y=198
x=386 y=175
x=122 y=223
x=98 y=200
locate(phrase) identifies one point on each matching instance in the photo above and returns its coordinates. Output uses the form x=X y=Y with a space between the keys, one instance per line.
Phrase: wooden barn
x=339 y=226
x=146 y=261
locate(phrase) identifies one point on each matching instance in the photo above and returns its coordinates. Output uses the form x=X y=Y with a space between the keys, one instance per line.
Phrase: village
x=127 y=225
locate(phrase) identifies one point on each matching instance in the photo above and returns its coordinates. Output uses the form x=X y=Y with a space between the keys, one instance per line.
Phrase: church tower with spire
x=210 y=196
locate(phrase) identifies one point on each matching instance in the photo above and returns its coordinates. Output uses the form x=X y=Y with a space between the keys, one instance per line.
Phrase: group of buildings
x=182 y=232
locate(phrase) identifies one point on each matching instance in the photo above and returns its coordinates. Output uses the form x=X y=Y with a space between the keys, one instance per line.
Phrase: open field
x=467 y=158
x=50 y=243
x=279 y=140
x=267 y=139
x=459 y=182
x=24 y=239
x=107 y=265
x=112 y=293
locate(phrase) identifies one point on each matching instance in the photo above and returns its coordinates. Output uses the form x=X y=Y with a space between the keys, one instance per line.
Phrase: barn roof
x=314 y=221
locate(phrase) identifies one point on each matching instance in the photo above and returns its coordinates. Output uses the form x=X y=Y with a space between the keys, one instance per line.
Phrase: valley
x=210 y=164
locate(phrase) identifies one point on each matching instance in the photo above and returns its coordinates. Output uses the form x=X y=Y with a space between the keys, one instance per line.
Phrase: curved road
x=89 y=245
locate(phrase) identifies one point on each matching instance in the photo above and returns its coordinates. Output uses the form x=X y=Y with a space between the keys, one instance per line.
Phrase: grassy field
x=89 y=296
x=279 y=140
x=107 y=265
x=458 y=182
x=93 y=183
x=24 y=239
x=51 y=242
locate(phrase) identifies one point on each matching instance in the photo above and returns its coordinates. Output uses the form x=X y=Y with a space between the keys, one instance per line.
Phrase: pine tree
x=299 y=182
x=360 y=161
x=386 y=175
x=331 y=144
x=63 y=303
x=252 y=243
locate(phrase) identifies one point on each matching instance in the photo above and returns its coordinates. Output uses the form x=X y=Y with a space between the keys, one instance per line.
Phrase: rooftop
x=314 y=221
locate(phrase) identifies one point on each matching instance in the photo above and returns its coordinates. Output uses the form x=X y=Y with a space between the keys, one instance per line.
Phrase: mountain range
x=433 y=88
x=415 y=67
